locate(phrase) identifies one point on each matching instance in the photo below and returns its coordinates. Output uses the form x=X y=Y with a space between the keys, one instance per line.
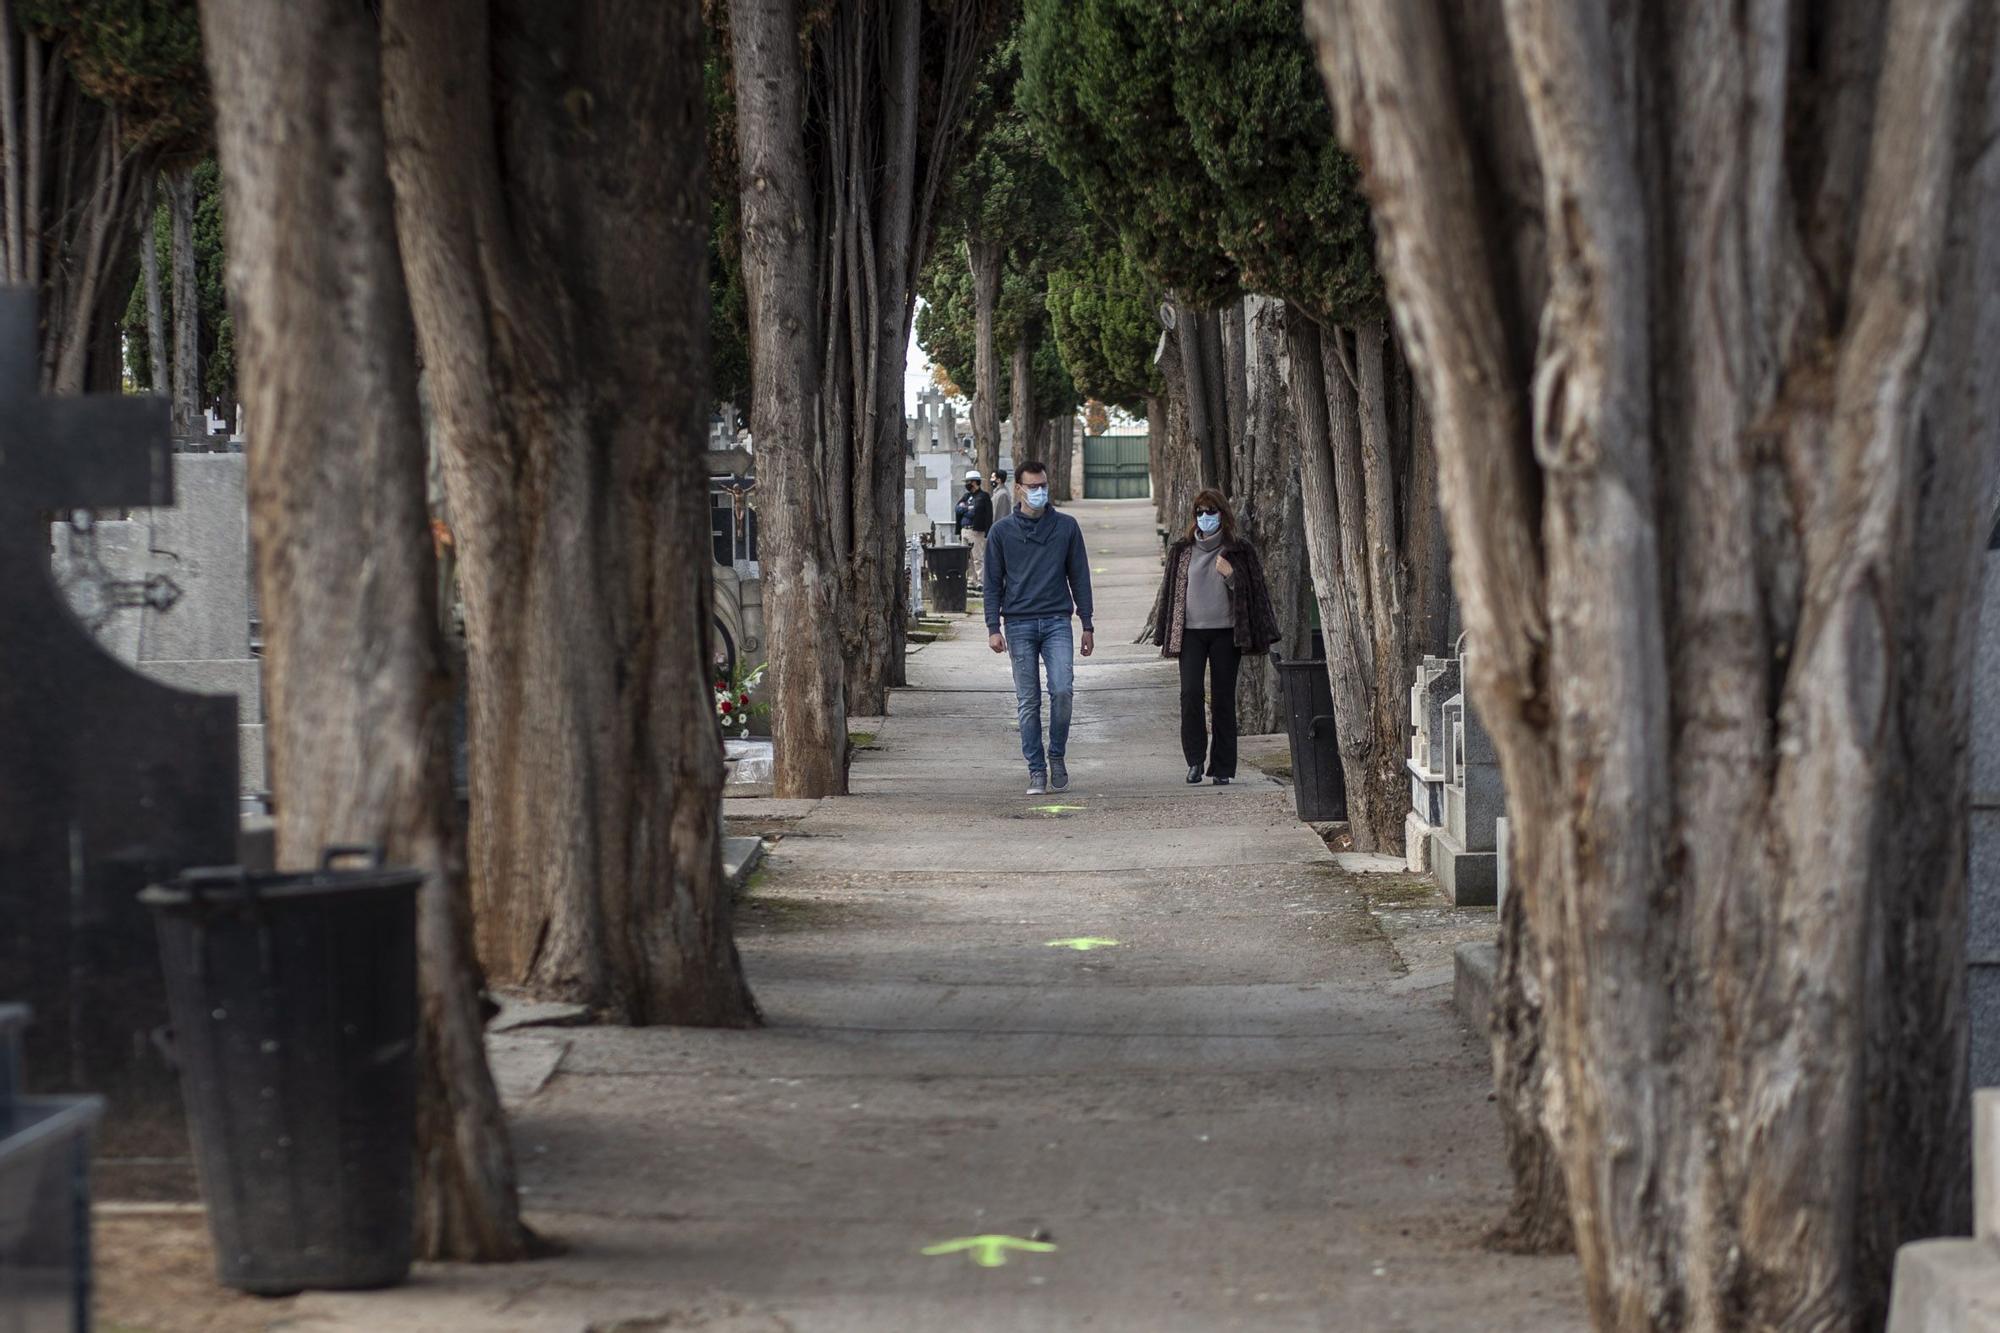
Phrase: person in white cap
x=975 y=516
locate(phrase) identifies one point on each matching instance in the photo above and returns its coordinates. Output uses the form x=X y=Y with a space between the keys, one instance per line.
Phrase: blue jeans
x=1029 y=643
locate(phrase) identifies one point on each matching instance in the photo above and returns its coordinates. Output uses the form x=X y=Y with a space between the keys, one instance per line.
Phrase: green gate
x=1115 y=467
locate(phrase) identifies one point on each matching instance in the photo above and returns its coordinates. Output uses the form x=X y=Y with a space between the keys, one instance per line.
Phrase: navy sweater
x=1036 y=567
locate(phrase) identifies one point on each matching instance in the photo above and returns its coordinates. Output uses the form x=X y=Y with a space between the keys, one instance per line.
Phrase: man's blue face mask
x=1037 y=496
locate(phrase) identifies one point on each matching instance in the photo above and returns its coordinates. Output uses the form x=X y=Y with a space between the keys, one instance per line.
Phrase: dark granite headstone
x=108 y=781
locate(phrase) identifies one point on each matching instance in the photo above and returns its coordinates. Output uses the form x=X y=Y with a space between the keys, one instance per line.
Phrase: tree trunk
x=70 y=191
x=1269 y=509
x=1714 y=363
x=1200 y=363
x=157 y=378
x=985 y=258
x=187 y=416
x=357 y=697
x=891 y=83
x=554 y=234
x=1029 y=439
x=801 y=589
x=1156 y=456
x=1329 y=445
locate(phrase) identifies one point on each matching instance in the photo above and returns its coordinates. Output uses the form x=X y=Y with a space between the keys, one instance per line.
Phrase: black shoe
x=1222 y=782
x=1194 y=774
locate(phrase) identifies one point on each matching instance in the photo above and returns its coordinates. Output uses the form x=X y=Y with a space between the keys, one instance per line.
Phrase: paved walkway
x=1255 y=1111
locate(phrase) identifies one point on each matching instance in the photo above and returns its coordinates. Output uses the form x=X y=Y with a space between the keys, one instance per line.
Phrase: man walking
x=1037 y=574
x=975 y=517
x=1002 y=506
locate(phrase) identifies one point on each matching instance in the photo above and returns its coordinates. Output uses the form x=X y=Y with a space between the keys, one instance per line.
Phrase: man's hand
x=996 y=643
x=1223 y=567
x=1089 y=642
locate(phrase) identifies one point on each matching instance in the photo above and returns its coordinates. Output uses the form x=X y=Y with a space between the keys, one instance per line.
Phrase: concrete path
x=1254 y=1111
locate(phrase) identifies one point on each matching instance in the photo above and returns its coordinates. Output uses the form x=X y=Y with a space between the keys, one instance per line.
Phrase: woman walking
x=1214 y=610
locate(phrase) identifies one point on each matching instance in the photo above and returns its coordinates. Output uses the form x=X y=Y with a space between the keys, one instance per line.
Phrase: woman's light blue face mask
x=1037 y=496
x=1208 y=523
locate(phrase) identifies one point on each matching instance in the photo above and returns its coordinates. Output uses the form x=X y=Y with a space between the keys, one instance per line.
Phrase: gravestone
x=1465 y=852
x=1437 y=681
x=109 y=781
x=202 y=643
x=1983 y=869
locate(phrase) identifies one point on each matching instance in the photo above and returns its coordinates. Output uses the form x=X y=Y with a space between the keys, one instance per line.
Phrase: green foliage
x=141 y=56
x=1104 y=313
x=1294 y=218
x=1200 y=132
x=945 y=320
x=1097 y=85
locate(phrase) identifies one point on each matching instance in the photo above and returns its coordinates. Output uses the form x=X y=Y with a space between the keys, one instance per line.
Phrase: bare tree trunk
x=890 y=86
x=985 y=258
x=1329 y=446
x=1715 y=408
x=1269 y=510
x=186 y=378
x=801 y=589
x=357 y=696
x=1198 y=333
x=156 y=317
x=1156 y=458
x=556 y=272
x=1030 y=440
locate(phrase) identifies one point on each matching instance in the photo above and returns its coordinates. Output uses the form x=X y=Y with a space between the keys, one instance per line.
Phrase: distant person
x=1037 y=574
x=1003 y=505
x=1215 y=609
x=975 y=518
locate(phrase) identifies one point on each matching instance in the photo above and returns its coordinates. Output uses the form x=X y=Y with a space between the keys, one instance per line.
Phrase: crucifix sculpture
x=108 y=781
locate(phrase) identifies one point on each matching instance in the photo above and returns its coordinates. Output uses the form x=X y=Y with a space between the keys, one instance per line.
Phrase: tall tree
x=186 y=376
x=885 y=112
x=1707 y=310
x=94 y=95
x=551 y=200
x=801 y=585
x=357 y=697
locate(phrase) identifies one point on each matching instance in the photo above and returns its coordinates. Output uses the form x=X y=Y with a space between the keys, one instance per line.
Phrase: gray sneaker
x=1058 y=775
x=1037 y=784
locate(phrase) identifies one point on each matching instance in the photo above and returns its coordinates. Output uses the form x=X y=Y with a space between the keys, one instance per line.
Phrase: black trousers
x=1210 y=652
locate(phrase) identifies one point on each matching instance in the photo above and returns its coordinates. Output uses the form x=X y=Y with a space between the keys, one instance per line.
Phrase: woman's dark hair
x=1213 y=499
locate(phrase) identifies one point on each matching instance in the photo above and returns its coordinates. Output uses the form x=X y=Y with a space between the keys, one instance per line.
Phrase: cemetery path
x=1255 y=1110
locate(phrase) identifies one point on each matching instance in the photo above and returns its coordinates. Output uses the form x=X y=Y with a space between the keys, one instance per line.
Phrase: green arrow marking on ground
x=1083 y=943
x=989 y=1251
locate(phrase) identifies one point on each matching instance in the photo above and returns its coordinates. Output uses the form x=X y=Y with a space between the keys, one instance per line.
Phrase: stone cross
x=108 y=781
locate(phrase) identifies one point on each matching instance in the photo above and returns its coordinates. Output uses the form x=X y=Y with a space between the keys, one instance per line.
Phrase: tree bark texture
x=889 y=86
x=552 y=204
x=1362 y=465
x=357 y=696
x=1030 y=440
x=71 y=188
x=156 y=307
x=188 y=420
x=801 y=582
x=1705 y=305
x=1268 y=504
x=986 y=259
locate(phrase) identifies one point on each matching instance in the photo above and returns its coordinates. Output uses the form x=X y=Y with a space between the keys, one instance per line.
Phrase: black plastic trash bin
x=1319 y=785
x=946 y=567
x=294 y=1007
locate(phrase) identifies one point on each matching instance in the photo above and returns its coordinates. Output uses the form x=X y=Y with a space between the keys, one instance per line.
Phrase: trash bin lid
x=233 y=886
